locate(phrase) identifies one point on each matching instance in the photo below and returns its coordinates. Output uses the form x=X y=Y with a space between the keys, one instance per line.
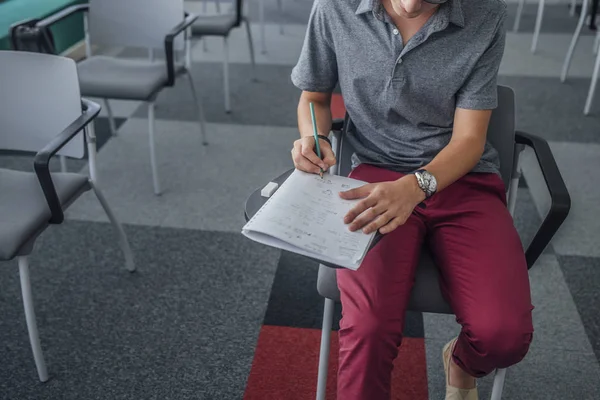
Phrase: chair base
x=28 y=305
x=499 y=376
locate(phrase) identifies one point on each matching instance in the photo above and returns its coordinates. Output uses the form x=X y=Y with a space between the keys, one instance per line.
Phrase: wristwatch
x=426 y=182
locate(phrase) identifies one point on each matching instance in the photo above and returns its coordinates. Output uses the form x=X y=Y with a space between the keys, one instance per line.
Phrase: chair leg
x=280 y=9
x=111 y=119
x=63 y=163
x=590 y=98
x=325 y=347
x=518 y=17
x=226 y=75
x=151 y=124
x=34 y=337
x=569 y=57
x=90 y=138
x=572 y=8
x=538 y=26
x=251 y=47
x=123 y=242
x=201 y=118
x=246 y=11
x=596 y=43
x=261 y=13
x=88 y=44
x=498 y=384
x=513 y=186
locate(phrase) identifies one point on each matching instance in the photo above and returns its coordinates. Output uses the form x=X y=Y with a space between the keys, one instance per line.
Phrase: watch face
x=432 y=183
x=427 y=182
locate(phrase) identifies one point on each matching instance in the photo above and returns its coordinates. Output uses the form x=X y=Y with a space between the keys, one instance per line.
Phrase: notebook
x=306 y=216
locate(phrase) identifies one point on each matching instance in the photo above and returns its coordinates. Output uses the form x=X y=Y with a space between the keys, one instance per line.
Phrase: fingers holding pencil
x=306 y=159
x=313 y=153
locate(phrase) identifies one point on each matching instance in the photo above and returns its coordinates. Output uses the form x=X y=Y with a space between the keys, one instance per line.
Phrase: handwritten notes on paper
x=307 y=212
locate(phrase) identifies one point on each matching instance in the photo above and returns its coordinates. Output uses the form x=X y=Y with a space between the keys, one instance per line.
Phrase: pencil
x=314 y=124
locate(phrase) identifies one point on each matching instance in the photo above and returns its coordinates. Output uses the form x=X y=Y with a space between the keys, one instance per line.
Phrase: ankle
x=459 y=378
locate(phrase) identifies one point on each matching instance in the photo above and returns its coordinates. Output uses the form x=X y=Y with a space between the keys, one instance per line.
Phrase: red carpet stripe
x=286 y=360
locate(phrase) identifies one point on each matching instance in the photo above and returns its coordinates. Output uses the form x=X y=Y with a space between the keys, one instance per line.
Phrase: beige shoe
x=453 y=393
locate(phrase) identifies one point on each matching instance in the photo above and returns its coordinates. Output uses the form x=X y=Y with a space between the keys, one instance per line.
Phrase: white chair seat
x=425 y=295
x=217 y=25
x=24 y=211
x=118 y=78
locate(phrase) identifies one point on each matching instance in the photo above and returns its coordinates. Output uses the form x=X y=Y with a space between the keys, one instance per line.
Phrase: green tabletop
x=66 y=33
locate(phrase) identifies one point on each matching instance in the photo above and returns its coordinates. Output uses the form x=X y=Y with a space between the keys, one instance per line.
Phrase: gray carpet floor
x=186 y=324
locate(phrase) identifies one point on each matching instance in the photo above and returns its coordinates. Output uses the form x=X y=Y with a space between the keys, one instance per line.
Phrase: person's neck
x=408 y=26
x=400 y=18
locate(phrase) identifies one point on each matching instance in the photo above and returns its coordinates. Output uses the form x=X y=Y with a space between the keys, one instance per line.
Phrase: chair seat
x=24 y=211
x=426 y=295
x=126 y=79
x=217 y=25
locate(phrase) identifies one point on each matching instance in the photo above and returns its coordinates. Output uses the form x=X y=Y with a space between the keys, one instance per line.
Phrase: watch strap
x=325 y=138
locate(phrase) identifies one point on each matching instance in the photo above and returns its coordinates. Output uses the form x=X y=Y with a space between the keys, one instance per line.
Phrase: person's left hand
x=384 y=205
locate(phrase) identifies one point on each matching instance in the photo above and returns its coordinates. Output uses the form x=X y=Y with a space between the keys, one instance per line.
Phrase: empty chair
x=538 y=20
x=569 y=57
x=222 y=25
x=42 y=112
x=426 y=295
x=161 y=26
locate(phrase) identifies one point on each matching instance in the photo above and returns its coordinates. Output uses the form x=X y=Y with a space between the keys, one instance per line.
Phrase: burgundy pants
x=483 y=275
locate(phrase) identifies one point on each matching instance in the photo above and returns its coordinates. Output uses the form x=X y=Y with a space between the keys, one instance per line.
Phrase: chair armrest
x=62 y=14
x=42 y=158
x=169 y=53
x=560 y=199
x=337 y=124
x=335 y=135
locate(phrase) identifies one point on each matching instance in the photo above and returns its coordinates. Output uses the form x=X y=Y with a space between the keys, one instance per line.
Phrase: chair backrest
x=39 y=98
x=501 y=135
x=134 y=23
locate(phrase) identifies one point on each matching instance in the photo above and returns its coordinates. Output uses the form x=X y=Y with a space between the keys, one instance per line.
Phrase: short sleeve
x=480 y=92
x=316 y=70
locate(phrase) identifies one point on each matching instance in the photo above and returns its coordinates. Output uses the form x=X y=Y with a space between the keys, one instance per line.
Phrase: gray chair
x=426 y=295
x=585 y=12
x=42 y=112
x=222 y=25
x=147 y=24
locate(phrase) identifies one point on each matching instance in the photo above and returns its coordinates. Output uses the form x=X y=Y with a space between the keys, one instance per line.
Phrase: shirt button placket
x=399 y=59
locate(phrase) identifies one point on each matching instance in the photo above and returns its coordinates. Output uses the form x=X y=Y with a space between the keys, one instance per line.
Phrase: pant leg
x=374 y=300
x=484 y=273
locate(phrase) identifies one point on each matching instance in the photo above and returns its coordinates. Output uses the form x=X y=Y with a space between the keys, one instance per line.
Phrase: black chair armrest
x=337 y=124
x=42 y=158
x=560 y=199
x=169 y=53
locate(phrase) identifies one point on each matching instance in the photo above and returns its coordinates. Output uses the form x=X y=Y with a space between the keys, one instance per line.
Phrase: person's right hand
x=305 y=156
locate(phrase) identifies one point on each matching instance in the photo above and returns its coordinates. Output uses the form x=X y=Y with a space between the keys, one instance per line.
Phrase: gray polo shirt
x=402 y=99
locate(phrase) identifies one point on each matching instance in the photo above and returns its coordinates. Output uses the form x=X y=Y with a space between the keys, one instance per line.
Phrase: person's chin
x=401 y=12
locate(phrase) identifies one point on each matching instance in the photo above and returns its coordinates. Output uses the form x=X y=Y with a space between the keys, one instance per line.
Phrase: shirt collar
x=366 y=5
x=452 y=9
x=457 y=16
